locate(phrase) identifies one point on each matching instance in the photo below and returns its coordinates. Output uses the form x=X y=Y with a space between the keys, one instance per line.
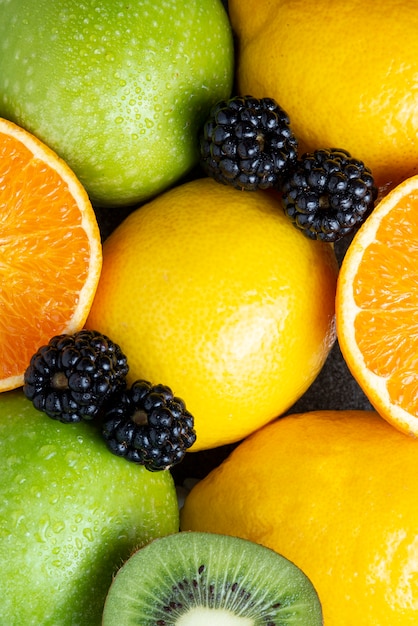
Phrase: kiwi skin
x=196 y=578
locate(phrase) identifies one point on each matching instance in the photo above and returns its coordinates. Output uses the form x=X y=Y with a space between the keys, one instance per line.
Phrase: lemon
x=345 y=72
x=214 y=293
x=334 y=492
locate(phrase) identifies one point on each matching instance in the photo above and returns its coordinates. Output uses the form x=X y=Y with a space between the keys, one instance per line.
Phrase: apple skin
x=119 y=90
x=70 y=514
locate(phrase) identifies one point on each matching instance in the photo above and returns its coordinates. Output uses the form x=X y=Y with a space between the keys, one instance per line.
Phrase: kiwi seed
x=204 y=579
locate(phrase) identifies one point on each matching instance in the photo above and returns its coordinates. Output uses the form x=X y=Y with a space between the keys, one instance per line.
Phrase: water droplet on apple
x=72 y=458
x=58 y=527
x=42 y=534
x=47 y=452
x=19 y=479
x=19 y=520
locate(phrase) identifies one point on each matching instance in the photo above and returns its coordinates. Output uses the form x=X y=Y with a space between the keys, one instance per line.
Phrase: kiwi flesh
x=203 y=579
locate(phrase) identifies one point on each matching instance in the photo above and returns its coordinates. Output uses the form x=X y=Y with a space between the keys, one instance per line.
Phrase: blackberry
x=148 y=425
x=73 y=376
x=247 y=143
x=328 y=194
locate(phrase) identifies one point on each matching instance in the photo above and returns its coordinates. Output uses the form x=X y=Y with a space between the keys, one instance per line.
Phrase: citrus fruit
x=50 y=250
x=334 y=492
x=118 y=89
x=377 y=303
x=214 y=293
x=345 y=74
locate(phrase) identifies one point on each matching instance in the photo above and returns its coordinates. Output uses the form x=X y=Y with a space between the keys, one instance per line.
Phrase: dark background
x=334 y=388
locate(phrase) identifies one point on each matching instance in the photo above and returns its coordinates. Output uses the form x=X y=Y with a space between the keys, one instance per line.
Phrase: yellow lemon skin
x=345 y=72
x=334 y=492
x=214 y=293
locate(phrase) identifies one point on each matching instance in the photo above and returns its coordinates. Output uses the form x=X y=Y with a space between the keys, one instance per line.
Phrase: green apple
x=70 y=514
x=117 y=89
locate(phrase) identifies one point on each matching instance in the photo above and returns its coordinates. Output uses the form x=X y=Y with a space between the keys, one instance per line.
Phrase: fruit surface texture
x=215 y=293
x=116 y=89
x=341 y=87
x=70 y=514
x=377 y=305
x=50 y=250
x=334 y=492
x=204 y=579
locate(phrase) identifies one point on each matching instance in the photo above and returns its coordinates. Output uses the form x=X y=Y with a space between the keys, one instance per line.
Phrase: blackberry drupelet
x=328 y=194
x=148 y=425
x=74 y=376
x=247 y=143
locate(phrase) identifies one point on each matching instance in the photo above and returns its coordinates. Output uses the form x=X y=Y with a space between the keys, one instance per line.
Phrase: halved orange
x=50 y=250
x=377 y=307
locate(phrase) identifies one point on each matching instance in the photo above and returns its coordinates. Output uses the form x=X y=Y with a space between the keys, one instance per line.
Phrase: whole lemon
x=214 y=293
x=345 y=72
x=334 y=492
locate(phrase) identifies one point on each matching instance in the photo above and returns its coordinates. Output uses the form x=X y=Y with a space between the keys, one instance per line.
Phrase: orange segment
x=377 y=307
x=50 y=250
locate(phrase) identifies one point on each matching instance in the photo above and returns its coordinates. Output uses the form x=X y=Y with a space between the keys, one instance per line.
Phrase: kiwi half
x=204 y=579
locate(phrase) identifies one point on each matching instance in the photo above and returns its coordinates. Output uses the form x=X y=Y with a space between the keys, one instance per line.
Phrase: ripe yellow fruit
x=213 y=292
x=334 y=492
x=344 y=72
